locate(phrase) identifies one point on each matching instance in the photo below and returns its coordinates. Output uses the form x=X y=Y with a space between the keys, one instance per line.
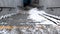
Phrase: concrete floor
x=16 y=19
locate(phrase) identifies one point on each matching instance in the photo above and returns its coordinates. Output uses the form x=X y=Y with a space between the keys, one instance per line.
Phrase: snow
x=37 y=16
x=7 y=15
x=34 y=15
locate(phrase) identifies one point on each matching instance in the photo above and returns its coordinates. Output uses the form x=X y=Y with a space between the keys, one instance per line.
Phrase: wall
x=10 y=3
x=51 y=3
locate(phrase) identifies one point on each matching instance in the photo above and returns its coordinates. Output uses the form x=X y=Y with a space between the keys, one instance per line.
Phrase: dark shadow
x=26 y=3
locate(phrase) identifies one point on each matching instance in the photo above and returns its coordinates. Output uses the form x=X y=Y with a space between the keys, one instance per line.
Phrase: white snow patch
x=7 y=15
x=34 y=15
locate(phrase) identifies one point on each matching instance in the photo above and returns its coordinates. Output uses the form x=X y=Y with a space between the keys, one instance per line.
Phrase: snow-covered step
x=56 y=17
x=39 y=15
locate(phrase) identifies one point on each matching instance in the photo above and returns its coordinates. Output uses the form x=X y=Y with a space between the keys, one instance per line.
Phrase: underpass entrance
x=26 y=3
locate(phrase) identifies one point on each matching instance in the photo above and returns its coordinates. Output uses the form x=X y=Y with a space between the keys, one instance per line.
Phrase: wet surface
x=22 y=17
x=37 y=29
x=16 y=19
x=26 y=26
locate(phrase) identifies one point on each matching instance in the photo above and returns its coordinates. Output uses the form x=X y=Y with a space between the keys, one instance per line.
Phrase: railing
x=52 y=8
x=10 y=8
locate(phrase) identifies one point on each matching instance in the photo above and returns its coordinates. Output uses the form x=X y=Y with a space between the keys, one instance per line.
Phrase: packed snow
x=37 y=15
